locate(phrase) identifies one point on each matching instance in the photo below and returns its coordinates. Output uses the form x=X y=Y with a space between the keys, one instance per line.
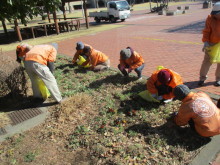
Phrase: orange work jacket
x=200 y=108
x=79 y=52
x=153 y=82
x=134 y=61
x=96 y=57
x=41 y=54
x=211 y=32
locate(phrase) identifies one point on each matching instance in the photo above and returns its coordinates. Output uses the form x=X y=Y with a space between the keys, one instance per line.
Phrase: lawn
x=103 y=122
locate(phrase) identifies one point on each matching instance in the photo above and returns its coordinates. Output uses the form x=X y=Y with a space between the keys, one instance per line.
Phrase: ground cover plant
x=103 y=121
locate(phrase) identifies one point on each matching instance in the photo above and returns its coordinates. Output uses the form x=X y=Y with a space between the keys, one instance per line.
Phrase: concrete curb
x=208 y=153
x=26 y=125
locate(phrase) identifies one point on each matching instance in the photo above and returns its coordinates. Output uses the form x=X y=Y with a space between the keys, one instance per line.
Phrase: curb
x=208 y=153
x=25 y=125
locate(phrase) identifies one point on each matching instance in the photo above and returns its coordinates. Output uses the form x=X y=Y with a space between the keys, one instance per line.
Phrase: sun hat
x=125 y=54
x=79 y=45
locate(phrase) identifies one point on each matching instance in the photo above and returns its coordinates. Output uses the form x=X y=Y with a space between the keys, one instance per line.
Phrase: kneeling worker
x=161 y=84
x=97 y=60
x=79 y=51
x=197 y=110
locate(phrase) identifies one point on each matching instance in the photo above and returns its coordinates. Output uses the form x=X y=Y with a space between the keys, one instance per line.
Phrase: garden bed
x=103 y=122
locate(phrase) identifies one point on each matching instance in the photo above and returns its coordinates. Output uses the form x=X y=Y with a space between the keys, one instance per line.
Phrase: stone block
x=179 y=7
x=186 y=7
x=170 y=13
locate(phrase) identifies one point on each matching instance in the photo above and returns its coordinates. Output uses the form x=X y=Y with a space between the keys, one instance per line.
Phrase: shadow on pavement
x=193 y=28
x=194 y=84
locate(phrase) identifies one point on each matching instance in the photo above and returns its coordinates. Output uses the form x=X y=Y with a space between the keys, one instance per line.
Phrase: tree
x=24 y=10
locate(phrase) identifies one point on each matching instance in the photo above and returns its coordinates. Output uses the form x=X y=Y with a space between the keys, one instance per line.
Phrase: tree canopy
x=24 y=10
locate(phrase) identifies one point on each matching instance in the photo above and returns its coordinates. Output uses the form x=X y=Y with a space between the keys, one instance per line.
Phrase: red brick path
x=171 y=41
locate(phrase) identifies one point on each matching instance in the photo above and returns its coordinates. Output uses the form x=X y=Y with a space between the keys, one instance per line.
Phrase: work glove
x=129 y=70
x=50 y=65
x=154 y=95
x=18 y=60
x=206 y=44
x=122 y=67
x=159 y=98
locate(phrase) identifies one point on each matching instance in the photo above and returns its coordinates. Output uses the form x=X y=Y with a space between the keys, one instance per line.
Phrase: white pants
x=36 y=70
x=205 y=68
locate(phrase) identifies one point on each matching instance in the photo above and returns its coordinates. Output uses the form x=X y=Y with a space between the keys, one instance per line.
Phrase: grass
x=103 y=118
x=127 y=129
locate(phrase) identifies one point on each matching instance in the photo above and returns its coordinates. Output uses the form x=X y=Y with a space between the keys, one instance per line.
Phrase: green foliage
x=26 y=9
x=29 y=157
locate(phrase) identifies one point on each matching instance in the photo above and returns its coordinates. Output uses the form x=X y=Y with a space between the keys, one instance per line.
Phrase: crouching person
x=161 y=84
x=197 y=110
x=79 y=51
x=97 y=60
x=39 y=63
x=131 y=60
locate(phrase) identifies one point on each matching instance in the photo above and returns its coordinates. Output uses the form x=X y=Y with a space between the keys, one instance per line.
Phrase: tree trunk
x=56 y=22
x=4 y=27
x=86 y=15
x=64 y=11
x=17 y=29
x=48 y=15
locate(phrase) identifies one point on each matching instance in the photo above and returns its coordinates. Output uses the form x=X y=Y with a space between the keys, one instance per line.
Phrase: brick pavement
x=171 y=41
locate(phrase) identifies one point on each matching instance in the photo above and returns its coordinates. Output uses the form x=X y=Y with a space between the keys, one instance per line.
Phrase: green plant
x=29 y=157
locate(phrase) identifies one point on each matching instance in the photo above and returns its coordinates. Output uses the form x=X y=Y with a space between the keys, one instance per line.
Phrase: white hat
x=216 y=9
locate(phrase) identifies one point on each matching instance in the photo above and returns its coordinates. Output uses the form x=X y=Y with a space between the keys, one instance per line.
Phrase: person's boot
x=201 y=83
x=217 y=83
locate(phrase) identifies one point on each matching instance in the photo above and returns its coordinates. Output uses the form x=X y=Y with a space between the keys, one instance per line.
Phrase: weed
x=132 y=133
x=29 y=157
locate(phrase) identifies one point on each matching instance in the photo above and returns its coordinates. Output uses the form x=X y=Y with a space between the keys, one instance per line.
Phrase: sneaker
x=217 y=83
x=201 y=83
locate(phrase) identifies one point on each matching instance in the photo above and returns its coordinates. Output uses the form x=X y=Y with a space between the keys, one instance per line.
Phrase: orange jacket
x=200 y=108
x=41 y=54
x=96 y=57
x=211 y=32
x=79 y=52
x=134 y=61
x=153 y=82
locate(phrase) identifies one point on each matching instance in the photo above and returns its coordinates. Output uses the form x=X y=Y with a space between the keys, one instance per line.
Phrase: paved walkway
x=171 y=41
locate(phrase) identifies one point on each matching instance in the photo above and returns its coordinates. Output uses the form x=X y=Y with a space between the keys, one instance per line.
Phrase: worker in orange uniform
x=97 y=60
x=79 y=51
x=197 y=110
x=131 y=60
x=161 y=84
x=211 y=36
x=39 y=63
